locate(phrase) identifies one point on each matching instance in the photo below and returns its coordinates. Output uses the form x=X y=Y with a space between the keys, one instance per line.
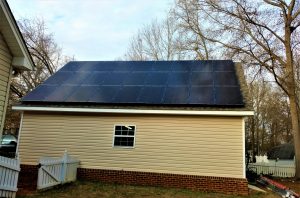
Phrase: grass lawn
x=97 y=189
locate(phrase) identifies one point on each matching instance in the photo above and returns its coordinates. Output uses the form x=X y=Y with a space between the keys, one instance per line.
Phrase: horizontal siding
x=5 y=64
x=198 y=145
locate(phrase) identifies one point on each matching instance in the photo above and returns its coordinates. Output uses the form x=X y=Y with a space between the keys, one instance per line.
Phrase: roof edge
x=26 y=62
x=135 y=111
x=243 y=85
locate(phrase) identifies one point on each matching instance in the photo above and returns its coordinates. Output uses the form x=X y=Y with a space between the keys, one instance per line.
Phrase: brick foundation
x=28 y=180
x=192 y=182
x=28 y=177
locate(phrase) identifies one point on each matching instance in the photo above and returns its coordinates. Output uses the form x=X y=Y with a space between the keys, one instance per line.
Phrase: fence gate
x=55 y=171
x=9 y=174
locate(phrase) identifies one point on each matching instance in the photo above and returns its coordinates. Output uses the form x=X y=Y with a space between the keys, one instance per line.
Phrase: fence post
x=64 y=167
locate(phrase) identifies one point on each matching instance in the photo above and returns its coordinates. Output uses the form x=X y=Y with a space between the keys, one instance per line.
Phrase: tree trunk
x=296 y=133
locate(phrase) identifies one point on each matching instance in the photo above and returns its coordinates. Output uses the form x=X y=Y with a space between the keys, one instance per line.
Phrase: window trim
x=134 y=136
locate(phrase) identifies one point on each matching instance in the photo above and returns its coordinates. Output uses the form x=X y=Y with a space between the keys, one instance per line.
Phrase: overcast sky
x=92 y=29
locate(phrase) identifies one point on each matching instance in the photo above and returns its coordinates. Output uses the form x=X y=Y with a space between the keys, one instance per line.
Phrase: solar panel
x=151 y=95
x=202 y=78
x=81 y=94
x=96 y=78
x=225 y=79
x=40 y=93
x=146 y=66
x=128 y=94
x=175 y=95
x=209 y=83
x=135 y=78
x=228 y=96
x=223 y=65
x=76 y=78
x=58 y=78
x=60 y=93
x=201 y=95
x=203 y=66
x=156 y=78
x=179 y=79
x=103 y=94
x=180 y=66
x=114 y=78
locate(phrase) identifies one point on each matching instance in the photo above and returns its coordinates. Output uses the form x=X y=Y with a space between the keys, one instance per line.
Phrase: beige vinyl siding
x=196 y=145
x=5 y=65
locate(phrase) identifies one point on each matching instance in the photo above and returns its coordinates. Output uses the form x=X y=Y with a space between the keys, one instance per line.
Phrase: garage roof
x=161 y=83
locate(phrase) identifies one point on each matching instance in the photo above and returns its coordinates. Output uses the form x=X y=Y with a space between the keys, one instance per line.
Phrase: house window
x=124 y=136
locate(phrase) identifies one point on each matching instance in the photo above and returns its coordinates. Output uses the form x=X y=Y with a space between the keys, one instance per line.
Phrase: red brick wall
x=193 y=182
x=28 y=180
x=28 y=177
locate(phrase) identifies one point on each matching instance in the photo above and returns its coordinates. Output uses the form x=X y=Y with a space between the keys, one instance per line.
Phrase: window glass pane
x=124 y=128
x=124 y=132
x=118 y=128
x=131 y=132
x=117 y=141
x=130 y=141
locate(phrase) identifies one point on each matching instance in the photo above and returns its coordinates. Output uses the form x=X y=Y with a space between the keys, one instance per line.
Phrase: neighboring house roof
x=160 y=84
x=13 y=37
x=283 y=151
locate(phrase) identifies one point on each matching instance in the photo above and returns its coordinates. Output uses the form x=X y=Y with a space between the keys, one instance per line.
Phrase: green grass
x=97 y=189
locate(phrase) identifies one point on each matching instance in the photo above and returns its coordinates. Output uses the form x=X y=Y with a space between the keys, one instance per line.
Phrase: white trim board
x=244 y=147
x=135 y=111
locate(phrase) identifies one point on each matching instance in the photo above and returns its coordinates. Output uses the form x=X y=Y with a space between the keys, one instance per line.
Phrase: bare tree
x=157 y=41
x=168 y=40
x=47 y=56
x=261 y=33
x=271 y=123
x=45 y=52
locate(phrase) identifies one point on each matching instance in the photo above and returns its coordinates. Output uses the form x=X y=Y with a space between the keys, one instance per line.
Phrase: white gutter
x=135 y=111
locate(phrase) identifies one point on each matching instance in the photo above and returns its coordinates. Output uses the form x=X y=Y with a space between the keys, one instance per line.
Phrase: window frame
x=114 y=135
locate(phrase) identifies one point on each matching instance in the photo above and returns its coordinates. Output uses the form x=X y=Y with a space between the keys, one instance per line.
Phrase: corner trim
x=244 y=147
x=2 y=122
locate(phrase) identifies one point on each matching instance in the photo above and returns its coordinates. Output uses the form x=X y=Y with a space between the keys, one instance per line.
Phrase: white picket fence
x=274 y=170
x=9 y=174
x=55 y=171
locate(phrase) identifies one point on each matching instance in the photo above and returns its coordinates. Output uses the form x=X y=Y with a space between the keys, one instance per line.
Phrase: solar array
x=208 y=83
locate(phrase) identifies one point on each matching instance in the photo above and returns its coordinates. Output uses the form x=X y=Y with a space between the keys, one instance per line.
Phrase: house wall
x=5 y=70
x=190 y=145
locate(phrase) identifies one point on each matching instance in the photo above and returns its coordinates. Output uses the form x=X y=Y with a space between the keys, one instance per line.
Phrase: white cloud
x=92 y=29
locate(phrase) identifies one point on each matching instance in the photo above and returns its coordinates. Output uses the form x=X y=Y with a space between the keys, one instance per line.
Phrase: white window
x=124 y=136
